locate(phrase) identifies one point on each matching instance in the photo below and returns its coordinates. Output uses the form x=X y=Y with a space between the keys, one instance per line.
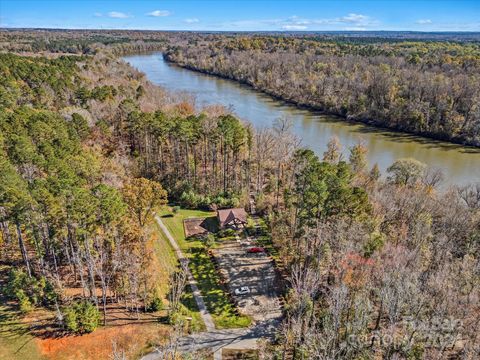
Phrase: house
x=232 y=217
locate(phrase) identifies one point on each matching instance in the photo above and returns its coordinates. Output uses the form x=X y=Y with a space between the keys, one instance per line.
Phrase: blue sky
x=421 y=15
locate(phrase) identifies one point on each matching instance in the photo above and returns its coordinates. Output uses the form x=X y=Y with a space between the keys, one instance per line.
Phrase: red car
x=256 y=250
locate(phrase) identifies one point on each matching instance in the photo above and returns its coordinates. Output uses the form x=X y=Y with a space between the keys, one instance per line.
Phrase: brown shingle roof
x=226 y=216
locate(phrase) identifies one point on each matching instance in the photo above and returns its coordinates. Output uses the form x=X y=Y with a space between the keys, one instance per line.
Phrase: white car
x=242 y=291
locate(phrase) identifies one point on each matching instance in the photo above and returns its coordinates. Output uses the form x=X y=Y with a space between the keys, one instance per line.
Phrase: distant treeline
x=85 y=42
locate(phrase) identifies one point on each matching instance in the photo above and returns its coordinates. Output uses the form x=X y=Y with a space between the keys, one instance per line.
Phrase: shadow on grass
x=188 y=301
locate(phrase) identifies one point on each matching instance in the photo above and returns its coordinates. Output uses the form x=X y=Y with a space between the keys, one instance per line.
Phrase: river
x=460 y=165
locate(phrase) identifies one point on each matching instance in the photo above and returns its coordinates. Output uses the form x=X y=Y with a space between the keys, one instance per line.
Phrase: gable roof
x=226 y=216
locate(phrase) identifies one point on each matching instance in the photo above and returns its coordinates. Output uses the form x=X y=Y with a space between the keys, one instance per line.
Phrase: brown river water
x=459 y=164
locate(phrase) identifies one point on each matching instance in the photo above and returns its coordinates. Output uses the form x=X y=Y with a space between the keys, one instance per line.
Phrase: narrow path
x=206 y=316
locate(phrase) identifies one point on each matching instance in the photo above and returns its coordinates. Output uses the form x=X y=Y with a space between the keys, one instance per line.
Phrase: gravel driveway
x=255 y=271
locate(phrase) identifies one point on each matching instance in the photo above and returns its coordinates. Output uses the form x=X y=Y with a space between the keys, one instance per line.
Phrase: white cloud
x=349 y=21
x=97 y=14
x=298 y=21
x=191 y=21
x=117 y=15
x=294 y=27
x=353 y=18
x=424 y=21
x=158 y=13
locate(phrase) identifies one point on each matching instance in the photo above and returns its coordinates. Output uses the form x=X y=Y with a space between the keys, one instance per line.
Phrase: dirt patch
x=199 y=226
x=132 y=339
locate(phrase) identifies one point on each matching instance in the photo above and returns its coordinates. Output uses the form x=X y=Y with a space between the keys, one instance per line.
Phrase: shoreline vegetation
x=316 y=109
x=426 y=89
x=340 y=117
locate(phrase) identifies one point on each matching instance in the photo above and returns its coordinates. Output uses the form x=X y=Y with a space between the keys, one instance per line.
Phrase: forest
x=377 y=265
x=426 y=88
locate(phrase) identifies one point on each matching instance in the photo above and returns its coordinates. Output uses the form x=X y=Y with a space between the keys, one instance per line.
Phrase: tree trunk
x=23 y=250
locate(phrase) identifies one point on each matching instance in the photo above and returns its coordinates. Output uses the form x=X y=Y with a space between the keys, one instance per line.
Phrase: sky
x=249 y=15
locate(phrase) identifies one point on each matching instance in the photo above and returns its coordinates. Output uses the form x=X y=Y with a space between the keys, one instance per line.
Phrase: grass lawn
x=167 y=262
x=203 y=270
x=21 y=336
x=15 y=340
x=164 y=254
x=18 y=343
x=135 y=339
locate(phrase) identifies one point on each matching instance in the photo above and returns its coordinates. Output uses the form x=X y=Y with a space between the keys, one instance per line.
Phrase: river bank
x=460 y=164
x=313 y=107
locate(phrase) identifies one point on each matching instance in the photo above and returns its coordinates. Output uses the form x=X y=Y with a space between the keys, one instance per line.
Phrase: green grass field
x=203 y=270
x=16 y=342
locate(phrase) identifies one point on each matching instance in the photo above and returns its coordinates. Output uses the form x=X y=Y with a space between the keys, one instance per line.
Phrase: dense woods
x=428 y=88
x=70 y=220
x=377 y=265
x=396 y=274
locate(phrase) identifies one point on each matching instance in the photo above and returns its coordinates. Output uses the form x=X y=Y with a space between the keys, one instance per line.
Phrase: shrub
x=183 y=316
x=209 y=240
x=29 y=291
x=175 y=317
x=251 y=227
x=23 y=301
x=102 y=93
x=176 y=209
x=156 y=304
x=191 y=200
x=103 y=126
x=229 y=232
x=227 y=201
x=226 y=233
x=70 y=319
x=82 y=94
x=81 y=317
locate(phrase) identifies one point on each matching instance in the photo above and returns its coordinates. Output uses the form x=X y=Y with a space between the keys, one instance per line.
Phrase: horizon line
x=237 y=31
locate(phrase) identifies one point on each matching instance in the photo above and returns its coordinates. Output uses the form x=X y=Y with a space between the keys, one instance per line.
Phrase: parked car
x=242 y=290
x=256 y=250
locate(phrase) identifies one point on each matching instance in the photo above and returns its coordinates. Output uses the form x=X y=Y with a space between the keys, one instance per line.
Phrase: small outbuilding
x=232 y=217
